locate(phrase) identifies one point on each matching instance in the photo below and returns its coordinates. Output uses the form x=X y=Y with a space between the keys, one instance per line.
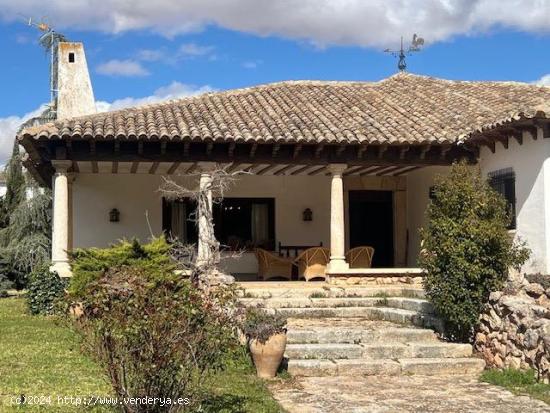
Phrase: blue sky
x=142 y=55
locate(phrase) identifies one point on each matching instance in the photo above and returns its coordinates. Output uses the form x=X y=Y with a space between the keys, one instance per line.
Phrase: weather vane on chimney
x=49 y=40
x=415 y=46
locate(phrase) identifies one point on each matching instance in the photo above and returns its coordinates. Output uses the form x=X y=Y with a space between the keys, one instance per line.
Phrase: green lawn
x=39 y=357
x=518 y=382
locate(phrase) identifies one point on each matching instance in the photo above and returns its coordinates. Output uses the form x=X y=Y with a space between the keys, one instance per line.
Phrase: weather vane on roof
x=49 y=40
x=415 y=46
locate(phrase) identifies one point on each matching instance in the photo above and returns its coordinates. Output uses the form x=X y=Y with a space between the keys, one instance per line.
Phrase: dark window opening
x=71 y=57
x=504 y=182
x=239 y=223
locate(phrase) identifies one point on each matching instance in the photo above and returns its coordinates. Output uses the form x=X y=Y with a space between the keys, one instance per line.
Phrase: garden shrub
x=260 y=325
x=156 y=336
x=5 y=285
x=90 y=264
x=467 y=250
x=44 y=290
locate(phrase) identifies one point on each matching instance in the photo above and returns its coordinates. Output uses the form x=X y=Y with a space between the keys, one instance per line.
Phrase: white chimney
x=75 y=96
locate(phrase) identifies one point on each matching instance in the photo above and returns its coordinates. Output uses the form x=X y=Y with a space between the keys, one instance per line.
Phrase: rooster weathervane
x=415 y=46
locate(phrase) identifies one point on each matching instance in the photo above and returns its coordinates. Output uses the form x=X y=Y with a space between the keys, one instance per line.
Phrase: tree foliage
x=25 y=224
x=467 y=250
x=15 y=186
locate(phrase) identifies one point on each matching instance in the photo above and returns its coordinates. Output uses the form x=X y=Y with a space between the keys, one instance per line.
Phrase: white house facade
x=338 y=165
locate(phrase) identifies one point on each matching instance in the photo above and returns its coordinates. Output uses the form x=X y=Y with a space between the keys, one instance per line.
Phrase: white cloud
x=127 y=68
x=174 y=90
x=8 y=129
x=194 y=50
x=543 y=81
x=252 y=64
x=377 y=23
x=150 y=55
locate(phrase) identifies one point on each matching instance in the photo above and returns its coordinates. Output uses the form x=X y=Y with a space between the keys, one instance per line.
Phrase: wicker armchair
x=272 y=266
x=312 y=263
x=360 y=257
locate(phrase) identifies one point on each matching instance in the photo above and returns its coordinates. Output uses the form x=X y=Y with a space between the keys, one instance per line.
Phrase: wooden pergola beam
x=406 y=170
x=317 y=170
x=173 y=168
x=266 y=169
x=134 y=167
x=283 y=170
x=361 y=150
x=153 y=168
x=300 y=170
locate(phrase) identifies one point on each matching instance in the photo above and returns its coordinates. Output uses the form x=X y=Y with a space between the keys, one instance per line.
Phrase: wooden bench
x=286 y=250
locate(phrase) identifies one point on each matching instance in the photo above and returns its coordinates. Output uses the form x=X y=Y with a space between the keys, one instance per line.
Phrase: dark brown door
x=371 y=223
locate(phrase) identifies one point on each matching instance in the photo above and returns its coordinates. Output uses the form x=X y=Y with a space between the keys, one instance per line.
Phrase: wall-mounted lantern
x=114 y=215
x=307 y=215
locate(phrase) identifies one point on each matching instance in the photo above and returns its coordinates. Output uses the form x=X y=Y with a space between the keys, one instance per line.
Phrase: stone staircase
x=378 y=330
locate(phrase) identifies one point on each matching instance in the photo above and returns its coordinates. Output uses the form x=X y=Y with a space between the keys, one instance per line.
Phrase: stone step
x=288 y=290
x=395 y=315
x=413 y=304
x=387 y=367
x=357 y=335
x=377 y=351
x=323 y=351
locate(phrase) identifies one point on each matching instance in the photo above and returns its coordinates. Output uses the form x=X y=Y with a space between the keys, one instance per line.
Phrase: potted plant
x=266 y=335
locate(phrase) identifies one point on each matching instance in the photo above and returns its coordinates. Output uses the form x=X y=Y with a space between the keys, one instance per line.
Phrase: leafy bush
x=467 y=250
x=45 y=288
x=90 y=264
x=260 y=325
x=155 y=334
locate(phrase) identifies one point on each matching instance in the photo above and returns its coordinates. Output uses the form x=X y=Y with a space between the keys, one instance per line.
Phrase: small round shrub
x=467 y=251
x=44 y=290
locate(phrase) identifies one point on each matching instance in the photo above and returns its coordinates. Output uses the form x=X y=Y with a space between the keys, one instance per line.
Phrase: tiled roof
x=403 y=109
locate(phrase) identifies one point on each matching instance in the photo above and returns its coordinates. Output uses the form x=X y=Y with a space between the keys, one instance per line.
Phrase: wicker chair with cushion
x=312 y=263
x=272 y=266
x=360 y=257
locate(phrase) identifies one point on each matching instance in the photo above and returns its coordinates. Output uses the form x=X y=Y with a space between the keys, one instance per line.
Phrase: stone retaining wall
x=514 y=331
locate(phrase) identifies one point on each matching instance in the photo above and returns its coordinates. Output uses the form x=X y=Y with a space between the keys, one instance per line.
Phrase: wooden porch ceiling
x=167 y=157
x=260 y=169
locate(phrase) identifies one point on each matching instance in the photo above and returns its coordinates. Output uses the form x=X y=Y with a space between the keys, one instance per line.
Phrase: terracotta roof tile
x=403 y=109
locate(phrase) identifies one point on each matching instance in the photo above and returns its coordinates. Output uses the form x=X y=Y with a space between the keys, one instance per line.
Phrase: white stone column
x=205 y=228
x=60 y=227
x=337 y=225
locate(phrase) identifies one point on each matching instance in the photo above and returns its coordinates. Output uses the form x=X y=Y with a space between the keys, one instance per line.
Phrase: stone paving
x=377 y=394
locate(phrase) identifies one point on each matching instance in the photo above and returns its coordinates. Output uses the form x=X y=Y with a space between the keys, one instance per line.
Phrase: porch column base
x=62 y=268
x=337 y=265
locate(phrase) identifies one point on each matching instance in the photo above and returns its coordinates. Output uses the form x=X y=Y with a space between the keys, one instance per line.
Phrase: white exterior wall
x=418 y=185
x=135 y=195
x=531 y=165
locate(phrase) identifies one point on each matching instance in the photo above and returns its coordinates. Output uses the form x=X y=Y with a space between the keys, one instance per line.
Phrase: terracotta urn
x=269 y=355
